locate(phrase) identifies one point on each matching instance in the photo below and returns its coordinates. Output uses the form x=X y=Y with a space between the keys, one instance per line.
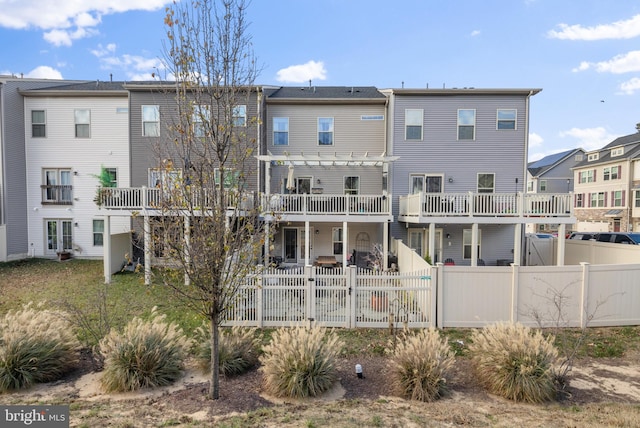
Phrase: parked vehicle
x=619 y=237
x=540 y=235
x=584 y=236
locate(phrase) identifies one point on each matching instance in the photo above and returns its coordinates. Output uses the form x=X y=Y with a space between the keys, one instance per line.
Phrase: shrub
x=419 y=365
x=146 y=354
x=515 y=362
x=300 y=362
x=237 y=349
x=35 y=346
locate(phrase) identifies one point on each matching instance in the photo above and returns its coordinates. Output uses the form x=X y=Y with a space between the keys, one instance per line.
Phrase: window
x=466 y=124
x=83 y=123
x=579 y=200
x=486 y=183
x=57 y=187
x=413 y=119
x=587 y=176
x=618 y=151
x=151 y=121
x=579 y=158
x=325 y=131
x=616 y=197
x=240 y=115
x=230 y=178
x=637 y=198
x=59 y=235
x=201 y=119
x=597 y=200
x=593 y=157
x=612 y=173
x=543 y=185
x=167 y=179
x=351 y=185
x=38 y=124
x=280 y=131
x=506 y=118
x=336 y=239
x=109 y=177
x=529 y=186
x=466 y=243
x=428 y=183
x=98 y=233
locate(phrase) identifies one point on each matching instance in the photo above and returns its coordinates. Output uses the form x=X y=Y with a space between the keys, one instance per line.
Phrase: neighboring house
x=72 y=131
x=14 y=237
x=552 y=174
x=458 y=183
x=325 y=164
x=607 y=187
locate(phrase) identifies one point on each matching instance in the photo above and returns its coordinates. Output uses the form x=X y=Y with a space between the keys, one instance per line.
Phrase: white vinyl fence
x=334 y=297
x=442 y=296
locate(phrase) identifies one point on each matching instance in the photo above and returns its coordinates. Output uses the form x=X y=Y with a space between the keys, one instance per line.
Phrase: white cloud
x=589 y=138
x=102 y=51
x=625 y=29
x=44 y=72
x=475 y=33
x=627 y=63
x=64 y=22
x=630 y=86
x=302 y=73
x=535 y=140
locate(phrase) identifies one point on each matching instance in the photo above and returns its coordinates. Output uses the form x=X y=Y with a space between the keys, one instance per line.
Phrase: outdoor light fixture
x=448 y=236
x=450 y=179
x=359 y=371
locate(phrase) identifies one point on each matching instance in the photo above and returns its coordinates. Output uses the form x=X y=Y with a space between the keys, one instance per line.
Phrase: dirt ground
x=600 y=393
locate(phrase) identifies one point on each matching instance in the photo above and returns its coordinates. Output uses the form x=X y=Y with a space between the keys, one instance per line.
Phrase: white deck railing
x=487 y=204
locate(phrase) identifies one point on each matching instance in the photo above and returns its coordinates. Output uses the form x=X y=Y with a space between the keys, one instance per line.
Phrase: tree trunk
x=214 y=384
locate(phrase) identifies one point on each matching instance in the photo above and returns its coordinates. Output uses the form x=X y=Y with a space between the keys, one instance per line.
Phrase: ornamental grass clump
x=35 y=346
x=300 y=361
x=515 y=362
x=146 y=354
x=237 y=349
x=419 y=365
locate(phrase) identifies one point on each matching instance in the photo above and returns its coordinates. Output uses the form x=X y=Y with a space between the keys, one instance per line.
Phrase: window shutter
x=624 y=201
x=605 y=199
x=580 y=177
x=620 y=172
x=594 y=175
x=588 y=202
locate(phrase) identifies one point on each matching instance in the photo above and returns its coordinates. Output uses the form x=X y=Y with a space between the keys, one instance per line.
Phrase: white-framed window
x=59 y=235
x=597 y=200
x=150 y=121
x=280 y=131
x=506 y=118
x=413 y=120
x=593 y=157
x=466 y=124
x=466 y=243
x=637 y=198
x=98 y=233
x=352 y=185
x=579 y=200
x=588 y=176
x=530 y=186
x=201 y=118
x=231 y=177
x=112 y=173
x=543 y=185
x=56 y=187
x=486 y=182
x=82 y=118
x=429 y=183
x=618 y=151
x=579 y=157
x=616 y=198
x=325 y=131
x=164 y=178
x=611 y=173
x=240 y=115
x=38 y=124
x=336 y=240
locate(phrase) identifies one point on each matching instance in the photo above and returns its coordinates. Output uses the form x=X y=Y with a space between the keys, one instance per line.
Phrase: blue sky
x=584 y=54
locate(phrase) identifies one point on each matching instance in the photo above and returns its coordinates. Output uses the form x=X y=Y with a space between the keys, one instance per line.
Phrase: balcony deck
x=323 y=207
x=487 y=208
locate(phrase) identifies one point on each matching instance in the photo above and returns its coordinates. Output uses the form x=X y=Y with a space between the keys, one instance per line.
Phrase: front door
x=419 y=242
x=294 y=245
x=59 y=236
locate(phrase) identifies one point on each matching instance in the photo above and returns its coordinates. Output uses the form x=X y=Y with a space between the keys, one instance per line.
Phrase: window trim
x=597 y=197
x=329 y=132
x=503 y=121
x=57 y=194
x=543 y=185
x=615 y=201
x=285 y=121
x=461 y=125
x=156 y=109
x=493 y=188
x=200 y=116
x=81 y=125
x=335 y=241
x=98 y=233
x=239 y=115
x=39 y=124
x=467 y=234
x=407 y=124
x=351 y=191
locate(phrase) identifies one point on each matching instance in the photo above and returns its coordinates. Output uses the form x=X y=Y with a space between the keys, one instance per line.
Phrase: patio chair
x=449 y=262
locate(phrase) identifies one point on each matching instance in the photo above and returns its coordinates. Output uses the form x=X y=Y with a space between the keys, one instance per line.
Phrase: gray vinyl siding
x=557 y=176
x=501 y=152
x=146 y=152
x=352 y=135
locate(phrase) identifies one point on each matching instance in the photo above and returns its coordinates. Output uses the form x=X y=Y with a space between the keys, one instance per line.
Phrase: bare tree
x=210 y=227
